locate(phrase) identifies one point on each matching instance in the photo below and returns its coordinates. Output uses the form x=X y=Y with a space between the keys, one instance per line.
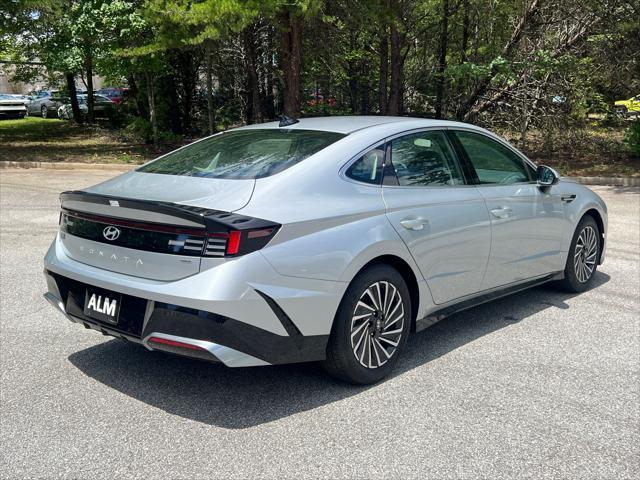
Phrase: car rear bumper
x=13 y=113
x=255 y=317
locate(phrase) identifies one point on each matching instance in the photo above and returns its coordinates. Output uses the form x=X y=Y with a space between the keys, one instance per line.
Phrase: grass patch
x=52 y=140
x=590 y=151
x=595 y=150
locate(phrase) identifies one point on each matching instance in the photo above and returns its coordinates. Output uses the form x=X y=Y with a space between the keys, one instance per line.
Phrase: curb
x=123 y=167
x=608 y=181
x=116 y=167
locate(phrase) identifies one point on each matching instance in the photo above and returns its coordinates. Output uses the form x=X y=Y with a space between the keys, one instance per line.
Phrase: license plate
x=102 y=305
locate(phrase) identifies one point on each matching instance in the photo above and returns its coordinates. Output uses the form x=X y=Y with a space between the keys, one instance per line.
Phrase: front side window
x=244 y=154
x=368 y=168
x=492 y=161
x=425 y=159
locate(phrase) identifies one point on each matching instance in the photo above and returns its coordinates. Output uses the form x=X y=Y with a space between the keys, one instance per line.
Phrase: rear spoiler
x=214 y=221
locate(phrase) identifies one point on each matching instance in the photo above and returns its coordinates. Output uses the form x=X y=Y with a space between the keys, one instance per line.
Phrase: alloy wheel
x=44 y=111
x=377 y=324
x=585 y=254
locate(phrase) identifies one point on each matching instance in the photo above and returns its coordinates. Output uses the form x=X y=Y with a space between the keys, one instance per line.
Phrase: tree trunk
x=188 y=77
x=291 y=45
x=352 y=75
x=365 y=108
x=254 y=112
x=442 y=61
x=397 y=72
x=464 y=44
x=152 y=106
x=134 y=93
x=210 y=106
x=168 y=89
x=73 y=96
x=88 y=62
x=270 y=95
x=384 y=71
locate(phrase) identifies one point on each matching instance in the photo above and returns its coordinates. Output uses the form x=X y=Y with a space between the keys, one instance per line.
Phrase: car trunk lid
x=161 y=227
x=226 y=195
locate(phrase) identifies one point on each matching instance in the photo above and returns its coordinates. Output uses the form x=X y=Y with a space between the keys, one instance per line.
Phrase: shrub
x=632 y=138
x=140 y=130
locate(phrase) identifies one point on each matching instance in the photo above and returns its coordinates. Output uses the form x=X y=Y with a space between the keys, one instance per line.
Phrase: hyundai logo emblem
x=111 y=233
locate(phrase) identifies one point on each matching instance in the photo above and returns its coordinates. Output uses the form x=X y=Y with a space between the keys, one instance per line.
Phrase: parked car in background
x=23 y=98
x=102 y=107
x=116 y=95
x=626 y=107
x=11 y=107
x=44 y=103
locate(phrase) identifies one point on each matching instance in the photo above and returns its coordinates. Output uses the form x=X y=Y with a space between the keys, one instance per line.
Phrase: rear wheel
x=371 y=327
x=44 y=111
x=583 y=257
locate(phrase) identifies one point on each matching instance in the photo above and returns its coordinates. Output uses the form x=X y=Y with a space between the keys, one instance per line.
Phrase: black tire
x=44 y=111
x=375 y=331
x=576 y=278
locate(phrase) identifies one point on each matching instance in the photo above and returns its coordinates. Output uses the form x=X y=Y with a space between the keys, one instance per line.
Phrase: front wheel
x=44 y=111
x=371 y=327
x=583 y=258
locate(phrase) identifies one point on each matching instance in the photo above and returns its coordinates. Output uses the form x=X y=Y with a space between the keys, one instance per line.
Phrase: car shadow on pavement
x=245 y=397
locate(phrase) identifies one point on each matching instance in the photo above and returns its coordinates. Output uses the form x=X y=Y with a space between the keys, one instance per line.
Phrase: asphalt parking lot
x=541 y=384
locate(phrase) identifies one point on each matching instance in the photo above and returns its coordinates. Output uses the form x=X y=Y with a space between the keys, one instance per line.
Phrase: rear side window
x=425 y=159
x=492 y=161
x=368 y=168
x=244 y=154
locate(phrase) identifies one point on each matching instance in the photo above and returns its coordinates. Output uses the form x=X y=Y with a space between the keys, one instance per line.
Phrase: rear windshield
x=243 y=154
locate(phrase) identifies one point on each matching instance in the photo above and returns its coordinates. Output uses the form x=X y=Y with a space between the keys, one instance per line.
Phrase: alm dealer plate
x=102 y=305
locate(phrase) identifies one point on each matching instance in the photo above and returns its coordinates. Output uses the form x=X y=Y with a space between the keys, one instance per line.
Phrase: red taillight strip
x=233 y=244
x=152 y=227
x=173 y=343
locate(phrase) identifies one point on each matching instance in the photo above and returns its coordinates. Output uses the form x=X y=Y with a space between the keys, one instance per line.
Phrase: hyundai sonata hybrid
x=321 y=239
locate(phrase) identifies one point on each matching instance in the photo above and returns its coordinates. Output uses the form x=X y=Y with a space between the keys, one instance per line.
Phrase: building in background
x=9 y=85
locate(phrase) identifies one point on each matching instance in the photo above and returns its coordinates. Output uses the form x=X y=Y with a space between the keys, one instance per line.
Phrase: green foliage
x=140 y=130
x=570 y=60
x=632 y=138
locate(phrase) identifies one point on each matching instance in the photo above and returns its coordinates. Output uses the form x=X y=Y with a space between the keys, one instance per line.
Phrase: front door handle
x=502 y=212
x=414 y=223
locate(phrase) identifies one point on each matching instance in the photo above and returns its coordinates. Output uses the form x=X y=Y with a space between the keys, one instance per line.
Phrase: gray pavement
x=541 y=384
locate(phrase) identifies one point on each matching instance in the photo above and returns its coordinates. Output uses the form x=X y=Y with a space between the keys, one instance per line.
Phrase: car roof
x=352 y=123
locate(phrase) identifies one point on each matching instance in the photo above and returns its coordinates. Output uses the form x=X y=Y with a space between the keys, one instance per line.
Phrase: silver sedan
x=324 y=239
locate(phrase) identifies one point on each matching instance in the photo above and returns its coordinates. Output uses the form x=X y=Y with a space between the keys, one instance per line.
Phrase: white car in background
x=103 y=107
x=11 y=107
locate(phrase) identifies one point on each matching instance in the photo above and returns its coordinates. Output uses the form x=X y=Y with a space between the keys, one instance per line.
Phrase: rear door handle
x=502 y=212
x=414 y=223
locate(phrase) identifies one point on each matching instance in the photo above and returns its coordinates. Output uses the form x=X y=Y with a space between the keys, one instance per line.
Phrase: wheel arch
x=597 y=217
x=408 y=275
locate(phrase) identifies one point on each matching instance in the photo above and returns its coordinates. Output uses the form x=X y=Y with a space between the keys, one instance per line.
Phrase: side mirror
x=547 y=176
